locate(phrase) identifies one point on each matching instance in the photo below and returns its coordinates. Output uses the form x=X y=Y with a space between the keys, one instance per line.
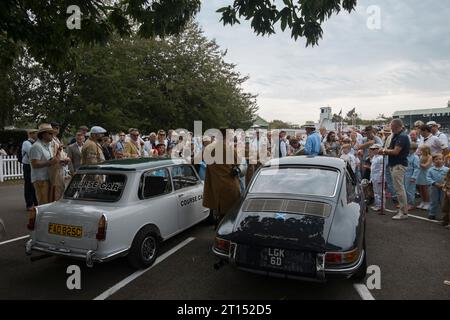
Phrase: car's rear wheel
x=362 y=271
x=144 y=249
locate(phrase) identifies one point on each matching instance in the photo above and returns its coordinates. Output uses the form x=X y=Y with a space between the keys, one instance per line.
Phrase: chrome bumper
x=321 y=272
x=89 y=256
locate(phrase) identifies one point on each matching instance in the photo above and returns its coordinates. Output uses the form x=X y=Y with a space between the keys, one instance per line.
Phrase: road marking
x=363 y=292
x=12 y=240
x=139 y=273
x=422 y=218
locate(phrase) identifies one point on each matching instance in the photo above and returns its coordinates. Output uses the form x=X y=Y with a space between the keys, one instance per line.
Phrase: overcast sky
x=404 y=65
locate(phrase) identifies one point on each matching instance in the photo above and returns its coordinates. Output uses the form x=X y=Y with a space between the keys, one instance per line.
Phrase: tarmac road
x=413 y=255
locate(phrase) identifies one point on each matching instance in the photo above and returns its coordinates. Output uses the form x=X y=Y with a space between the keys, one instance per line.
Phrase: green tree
x=41 y=25
x=303 y=17
x=133 y=82
x=337 y=118
x=278 y=124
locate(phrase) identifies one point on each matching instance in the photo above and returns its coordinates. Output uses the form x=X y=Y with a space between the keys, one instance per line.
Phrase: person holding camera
x=56 y=171
x=222 y=188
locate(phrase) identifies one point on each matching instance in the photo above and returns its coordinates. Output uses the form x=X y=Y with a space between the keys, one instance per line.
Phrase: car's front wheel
x=144 y=249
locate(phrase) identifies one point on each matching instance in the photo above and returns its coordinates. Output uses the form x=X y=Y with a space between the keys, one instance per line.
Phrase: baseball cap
x=376 y=146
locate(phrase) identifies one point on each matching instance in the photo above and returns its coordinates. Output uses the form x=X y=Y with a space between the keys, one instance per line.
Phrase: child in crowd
x=426 y=162
x=435 y=178
x=376 y=176
x=348 y=157
x=446 y=205
x=411 y=175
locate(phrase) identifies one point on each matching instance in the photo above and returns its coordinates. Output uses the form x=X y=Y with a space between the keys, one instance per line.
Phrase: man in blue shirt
x=312 y=146
x=398 y=152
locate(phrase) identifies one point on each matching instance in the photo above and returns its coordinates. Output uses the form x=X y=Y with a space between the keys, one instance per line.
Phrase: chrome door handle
x=181 y=195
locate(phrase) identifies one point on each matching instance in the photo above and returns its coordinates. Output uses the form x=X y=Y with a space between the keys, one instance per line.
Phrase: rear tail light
x=32 y=219
x=337 y=258
x=222 y=245
x=101 y=230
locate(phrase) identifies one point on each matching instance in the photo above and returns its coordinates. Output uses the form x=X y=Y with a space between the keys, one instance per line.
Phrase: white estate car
x=118 y=208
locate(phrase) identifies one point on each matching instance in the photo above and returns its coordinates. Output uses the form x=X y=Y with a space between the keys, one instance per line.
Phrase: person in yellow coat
x=133 y=146
x=222 y=189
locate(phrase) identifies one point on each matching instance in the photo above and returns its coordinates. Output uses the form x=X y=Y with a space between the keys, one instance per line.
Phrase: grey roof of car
x=308 y=161
x=133 y=164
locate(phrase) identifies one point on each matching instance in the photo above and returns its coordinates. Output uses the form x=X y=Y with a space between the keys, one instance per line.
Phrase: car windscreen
x=302 y=181
x=96 y=187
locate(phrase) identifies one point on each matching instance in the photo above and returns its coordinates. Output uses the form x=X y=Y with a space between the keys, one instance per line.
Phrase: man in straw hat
x=41 y=158
x=313 y=142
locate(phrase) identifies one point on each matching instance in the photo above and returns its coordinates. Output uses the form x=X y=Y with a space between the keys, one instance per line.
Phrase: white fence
x=10 y=168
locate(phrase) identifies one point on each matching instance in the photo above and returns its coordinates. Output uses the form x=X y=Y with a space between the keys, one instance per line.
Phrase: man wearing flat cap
x=92 y=152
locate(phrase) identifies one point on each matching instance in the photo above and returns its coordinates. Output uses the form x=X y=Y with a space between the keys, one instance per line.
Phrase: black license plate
x=287 y=260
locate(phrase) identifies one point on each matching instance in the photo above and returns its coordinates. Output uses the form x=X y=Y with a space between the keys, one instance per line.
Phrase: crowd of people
x=416 y=166
x=409 y=164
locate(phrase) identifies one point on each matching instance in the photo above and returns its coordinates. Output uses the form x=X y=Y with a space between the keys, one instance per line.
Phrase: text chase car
x=118 y=208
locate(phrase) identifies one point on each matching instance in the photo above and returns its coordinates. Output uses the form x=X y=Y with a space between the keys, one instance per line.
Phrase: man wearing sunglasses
x=133 y=147
x=119 y=146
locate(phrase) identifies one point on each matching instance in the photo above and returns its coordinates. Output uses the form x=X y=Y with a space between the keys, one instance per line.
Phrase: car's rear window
x=96 y=187
x=305 y=181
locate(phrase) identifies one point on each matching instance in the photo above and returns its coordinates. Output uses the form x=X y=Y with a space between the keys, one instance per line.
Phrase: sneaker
x=376 y=209
x=420 y=206
x=400 y=216
x=411 y=208
x=426 y=206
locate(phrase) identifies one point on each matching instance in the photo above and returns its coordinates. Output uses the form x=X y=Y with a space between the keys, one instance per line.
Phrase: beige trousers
x=398 y=178
x=42 y=189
